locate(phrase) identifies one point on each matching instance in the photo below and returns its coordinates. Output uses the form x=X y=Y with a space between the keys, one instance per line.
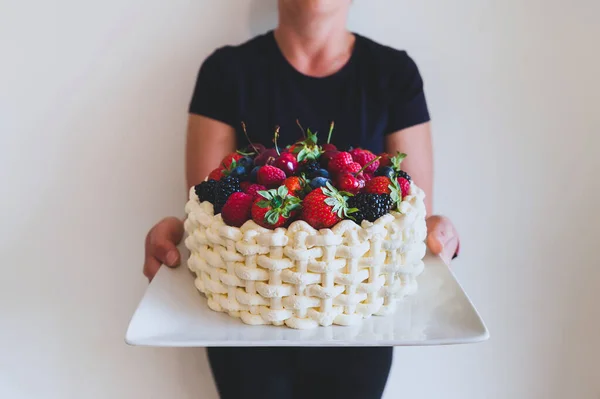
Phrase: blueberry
x=319 y=182
x=385 y=171
x=253 y=174
x=246 y=162
x=322 y=173
x=238 y=171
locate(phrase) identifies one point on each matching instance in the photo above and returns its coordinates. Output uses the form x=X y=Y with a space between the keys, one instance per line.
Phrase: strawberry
x=274 y=208
x=365 y=157
x=404 y=186
x=339 y=161
x=216 y=174
x=230 y=158
x=295 y=185
x=270 y=176
x=253 y=189
x=325 y=206
x=378 y=185
x=236 y=210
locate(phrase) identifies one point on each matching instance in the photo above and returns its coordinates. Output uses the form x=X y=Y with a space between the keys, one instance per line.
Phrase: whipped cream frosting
x=304 y=278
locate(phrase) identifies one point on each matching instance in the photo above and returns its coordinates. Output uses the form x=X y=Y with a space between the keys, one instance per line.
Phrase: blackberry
x=370 y=206
x=310 y=169
x=206 y=191
x=402 y=173
x=225 y=187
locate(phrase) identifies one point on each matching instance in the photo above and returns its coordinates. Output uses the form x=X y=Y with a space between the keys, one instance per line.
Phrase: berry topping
x=206 y=191
x=295 y=185
x=403 y=174
x=225 y=187
x=321 y=173
x=378 y=185
x=309 y=169
x=352 y=167
x=216 y=174
x=365 y=158
x=274 y=208
x=319 y=182
x=386 y=171
x=236 y=210
x=254 y=173
x=230 y=158
x=267 y=157
x=325 y=206
x=270 y=176
x=370 y=206
x=404 y=186
x=287 y=162
x=350 y=183
x=339 y=161
x=238 y=171
x=253 y=189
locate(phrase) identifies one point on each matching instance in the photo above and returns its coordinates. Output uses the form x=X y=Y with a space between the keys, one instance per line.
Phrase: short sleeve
x=408 y=106
x=214 y=93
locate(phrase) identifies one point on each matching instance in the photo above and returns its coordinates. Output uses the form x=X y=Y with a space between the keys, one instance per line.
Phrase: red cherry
x=329 y=147
x=327 y=156
x=267 y=157
x=287 y=162
x=385 y=159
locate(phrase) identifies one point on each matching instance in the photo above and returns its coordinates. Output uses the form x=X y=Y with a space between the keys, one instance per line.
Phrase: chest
x=357 y=106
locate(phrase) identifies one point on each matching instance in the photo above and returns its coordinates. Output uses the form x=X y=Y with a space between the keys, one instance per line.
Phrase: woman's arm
x=208 y=142
x=442 y=237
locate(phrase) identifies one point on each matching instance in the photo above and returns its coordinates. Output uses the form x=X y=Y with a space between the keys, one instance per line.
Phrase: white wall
x=93 y=100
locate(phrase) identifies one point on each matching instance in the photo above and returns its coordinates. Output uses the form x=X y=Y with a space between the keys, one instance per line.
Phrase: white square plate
x=173 y=313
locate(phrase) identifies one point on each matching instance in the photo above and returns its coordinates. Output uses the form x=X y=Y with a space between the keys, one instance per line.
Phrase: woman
x=312 y=69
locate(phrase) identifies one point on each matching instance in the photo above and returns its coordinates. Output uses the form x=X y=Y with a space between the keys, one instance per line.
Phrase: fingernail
x=171 y=258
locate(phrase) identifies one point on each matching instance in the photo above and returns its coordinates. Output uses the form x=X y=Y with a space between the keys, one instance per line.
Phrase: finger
x=164 y=251
x=434 y=244
x=449 y=250
x=151 y=266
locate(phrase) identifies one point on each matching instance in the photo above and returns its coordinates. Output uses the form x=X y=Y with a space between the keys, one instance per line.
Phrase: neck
x=314 y=45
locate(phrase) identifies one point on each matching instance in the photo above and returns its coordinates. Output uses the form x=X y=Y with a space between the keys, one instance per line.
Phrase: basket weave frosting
x=301 y=277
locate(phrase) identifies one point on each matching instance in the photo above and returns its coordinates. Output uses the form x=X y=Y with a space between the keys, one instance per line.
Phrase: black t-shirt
x=379 y=91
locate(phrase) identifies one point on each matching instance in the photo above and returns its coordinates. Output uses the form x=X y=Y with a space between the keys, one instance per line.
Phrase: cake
x=311 y=237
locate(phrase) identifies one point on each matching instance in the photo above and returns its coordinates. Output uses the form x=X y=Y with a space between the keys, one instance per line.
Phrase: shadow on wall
x=262 y=16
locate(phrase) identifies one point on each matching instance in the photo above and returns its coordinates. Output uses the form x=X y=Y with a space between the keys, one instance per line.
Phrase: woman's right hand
x=161 y=246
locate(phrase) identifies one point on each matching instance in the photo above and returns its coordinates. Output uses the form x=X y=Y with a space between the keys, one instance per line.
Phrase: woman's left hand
x=442 y=237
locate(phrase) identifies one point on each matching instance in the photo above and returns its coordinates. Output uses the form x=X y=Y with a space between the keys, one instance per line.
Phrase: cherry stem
x=368 y=164
x=301 y=128
x=248 y=137
x=275 y=140
x=330 y=131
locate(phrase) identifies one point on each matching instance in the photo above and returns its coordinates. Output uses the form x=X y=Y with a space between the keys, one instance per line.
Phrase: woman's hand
x=442 y=237
x=161 y=246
